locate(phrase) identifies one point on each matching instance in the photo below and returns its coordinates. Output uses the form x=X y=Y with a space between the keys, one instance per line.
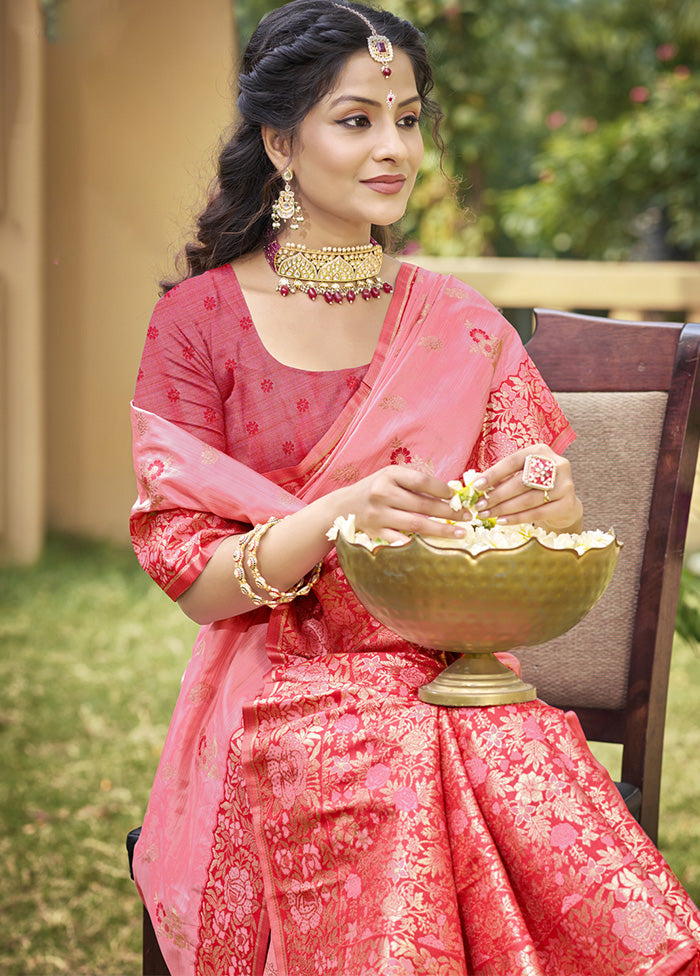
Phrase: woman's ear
x=278 y=146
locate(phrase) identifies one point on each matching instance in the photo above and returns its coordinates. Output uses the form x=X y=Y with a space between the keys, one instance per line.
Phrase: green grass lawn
x=92 y=654
x=92 y=658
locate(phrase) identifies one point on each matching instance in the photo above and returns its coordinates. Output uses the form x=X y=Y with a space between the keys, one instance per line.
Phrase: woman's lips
x=386 y=184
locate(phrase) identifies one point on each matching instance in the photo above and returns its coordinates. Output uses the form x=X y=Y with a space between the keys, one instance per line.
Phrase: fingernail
x=460 y=533
x=479 y=483
x=480 y=506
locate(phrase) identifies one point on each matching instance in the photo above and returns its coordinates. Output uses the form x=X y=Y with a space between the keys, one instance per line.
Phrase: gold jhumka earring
x=286 y=206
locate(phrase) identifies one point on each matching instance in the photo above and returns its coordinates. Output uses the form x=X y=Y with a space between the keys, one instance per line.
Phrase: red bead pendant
x=284 y=290
x=312 y=293
x=375 y=291
x=366 y=294
x=386 y=71
x=337 y=297
x=350 y=295
x=328 y=295
x=387 y=287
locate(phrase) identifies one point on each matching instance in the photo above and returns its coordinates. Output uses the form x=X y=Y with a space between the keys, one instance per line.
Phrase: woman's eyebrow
x=370 y=101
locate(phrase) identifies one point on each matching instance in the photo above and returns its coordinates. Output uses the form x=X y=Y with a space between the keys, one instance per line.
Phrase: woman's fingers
x=511 y=499
x=413 y=481
x=398 y=502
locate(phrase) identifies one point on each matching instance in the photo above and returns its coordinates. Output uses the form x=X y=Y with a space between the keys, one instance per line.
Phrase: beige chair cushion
x=614 y=462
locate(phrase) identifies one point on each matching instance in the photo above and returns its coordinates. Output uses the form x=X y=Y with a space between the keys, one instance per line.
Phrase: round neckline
x=380 y=345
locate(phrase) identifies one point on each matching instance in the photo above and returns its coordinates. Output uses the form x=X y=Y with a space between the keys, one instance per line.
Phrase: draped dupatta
x=301 y=779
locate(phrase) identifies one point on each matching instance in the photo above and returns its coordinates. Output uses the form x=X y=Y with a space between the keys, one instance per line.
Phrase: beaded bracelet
x=247 y=553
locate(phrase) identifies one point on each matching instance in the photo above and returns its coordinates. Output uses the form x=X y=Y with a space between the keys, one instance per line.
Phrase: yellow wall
x=137 y=95
x=21 y=265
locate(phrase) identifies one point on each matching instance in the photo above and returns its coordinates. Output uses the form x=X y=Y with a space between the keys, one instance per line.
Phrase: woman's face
x=356 y=154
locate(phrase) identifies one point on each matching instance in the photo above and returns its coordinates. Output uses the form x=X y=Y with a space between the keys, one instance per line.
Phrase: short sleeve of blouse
x=176 y=378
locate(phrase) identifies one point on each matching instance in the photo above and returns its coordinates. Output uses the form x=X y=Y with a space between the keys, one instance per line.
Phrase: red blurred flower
x=555 y=120
x=640 y=93
x=665 y=52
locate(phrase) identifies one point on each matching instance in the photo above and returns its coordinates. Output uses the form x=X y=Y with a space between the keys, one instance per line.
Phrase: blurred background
x=573 y=135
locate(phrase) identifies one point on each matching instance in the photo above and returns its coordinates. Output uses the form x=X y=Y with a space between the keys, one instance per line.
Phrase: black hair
x=292 y=61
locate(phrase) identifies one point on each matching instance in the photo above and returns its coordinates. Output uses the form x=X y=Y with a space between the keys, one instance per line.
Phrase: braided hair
x=292 y=61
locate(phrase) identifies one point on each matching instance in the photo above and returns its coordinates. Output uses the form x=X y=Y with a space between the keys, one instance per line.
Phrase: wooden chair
x=630 y=391
x=153 y=963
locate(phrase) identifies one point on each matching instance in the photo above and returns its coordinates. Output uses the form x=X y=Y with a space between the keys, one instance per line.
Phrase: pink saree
x=310 y=815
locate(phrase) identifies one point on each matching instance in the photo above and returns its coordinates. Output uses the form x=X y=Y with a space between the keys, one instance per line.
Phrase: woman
x=310 y=815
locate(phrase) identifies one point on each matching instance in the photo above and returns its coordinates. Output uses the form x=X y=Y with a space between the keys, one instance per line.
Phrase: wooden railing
x=629 y=290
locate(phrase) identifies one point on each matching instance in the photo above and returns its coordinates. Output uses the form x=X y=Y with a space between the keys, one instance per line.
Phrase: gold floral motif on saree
x=207 y=750
x=393 y=402
x=485 y=344
x=209 y=455
x=347 y=474
x=200 y=692
x=142 y=424
x=148 y=477
x=168 y=925
x=431 y=342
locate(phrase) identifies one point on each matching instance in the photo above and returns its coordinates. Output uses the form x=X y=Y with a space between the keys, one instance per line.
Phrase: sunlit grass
x=92 y=655
x=91 y=662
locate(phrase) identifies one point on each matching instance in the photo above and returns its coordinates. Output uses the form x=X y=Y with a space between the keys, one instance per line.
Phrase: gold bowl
x=475 y=605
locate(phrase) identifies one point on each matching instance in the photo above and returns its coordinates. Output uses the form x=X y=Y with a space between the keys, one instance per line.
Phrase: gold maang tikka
x=286 y=206
x=380 y=47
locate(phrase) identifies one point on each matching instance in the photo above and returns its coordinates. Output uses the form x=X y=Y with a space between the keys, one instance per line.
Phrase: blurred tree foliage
x=572 y=126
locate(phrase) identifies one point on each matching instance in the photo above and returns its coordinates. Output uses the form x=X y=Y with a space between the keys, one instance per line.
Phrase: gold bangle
x=246 y=558
x=239 y=571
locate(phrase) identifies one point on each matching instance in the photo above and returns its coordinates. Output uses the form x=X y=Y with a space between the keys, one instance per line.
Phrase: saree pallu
x=308 y=808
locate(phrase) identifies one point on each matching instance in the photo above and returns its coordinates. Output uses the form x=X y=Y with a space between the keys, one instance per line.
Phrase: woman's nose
x=389 y=144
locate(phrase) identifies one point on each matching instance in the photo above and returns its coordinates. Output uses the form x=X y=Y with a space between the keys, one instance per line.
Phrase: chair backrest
x=631 y=394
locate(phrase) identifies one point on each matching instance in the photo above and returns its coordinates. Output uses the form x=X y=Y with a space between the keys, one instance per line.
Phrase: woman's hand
x=510 y=501
x=397 y=501
x=390 y=504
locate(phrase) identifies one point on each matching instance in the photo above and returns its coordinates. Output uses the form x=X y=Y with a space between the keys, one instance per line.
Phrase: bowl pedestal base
x=477 y=678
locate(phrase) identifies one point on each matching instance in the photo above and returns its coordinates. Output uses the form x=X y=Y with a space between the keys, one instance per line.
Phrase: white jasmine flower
x=479 y=537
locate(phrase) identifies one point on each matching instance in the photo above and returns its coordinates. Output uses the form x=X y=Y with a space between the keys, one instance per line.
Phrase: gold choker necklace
x=338 y=273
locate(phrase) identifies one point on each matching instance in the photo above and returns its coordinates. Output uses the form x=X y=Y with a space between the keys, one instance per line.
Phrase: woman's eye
x=355 y=121
x=409 y=121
